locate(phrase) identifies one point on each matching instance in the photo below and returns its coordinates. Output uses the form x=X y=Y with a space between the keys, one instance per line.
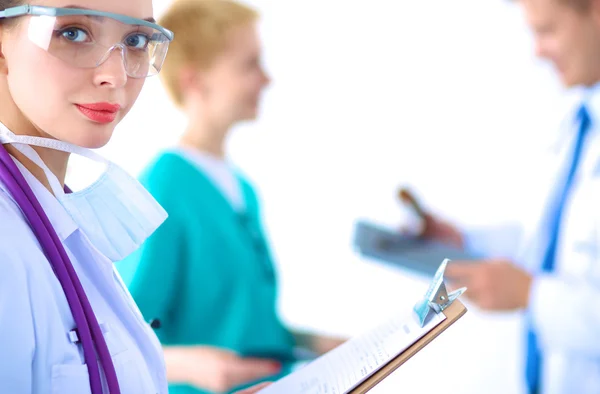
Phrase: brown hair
x=579 y=5
x=4 y=4
x=200 y=28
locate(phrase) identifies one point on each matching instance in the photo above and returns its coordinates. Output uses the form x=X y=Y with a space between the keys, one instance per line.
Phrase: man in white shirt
x=556 y=276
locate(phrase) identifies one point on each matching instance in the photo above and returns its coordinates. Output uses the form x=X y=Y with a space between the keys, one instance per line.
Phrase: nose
x=111 y=69
x=539 y=52
x=540 y=48
x=266 y=78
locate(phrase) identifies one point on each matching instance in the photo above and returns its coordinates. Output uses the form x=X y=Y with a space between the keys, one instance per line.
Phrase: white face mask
x=116 y=212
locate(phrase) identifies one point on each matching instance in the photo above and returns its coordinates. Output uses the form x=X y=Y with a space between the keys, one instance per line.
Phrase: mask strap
x=52 y=144
x=23 y=144
x=32 y=155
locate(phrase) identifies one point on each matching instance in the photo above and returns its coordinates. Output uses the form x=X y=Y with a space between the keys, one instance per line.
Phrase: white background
x=442 y=95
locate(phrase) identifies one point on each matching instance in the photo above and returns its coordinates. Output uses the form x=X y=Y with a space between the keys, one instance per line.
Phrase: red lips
x=99 y=112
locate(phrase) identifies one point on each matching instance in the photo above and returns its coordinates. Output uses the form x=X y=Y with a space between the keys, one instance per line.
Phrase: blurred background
x=443 y=96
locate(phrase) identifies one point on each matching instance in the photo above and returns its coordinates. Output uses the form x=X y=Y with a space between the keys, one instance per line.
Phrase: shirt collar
x=575 y=98
x=590 y=97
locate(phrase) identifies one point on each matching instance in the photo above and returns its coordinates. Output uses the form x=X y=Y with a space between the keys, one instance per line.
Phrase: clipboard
x=436 y=304
x=408 y=252
x=453 y=313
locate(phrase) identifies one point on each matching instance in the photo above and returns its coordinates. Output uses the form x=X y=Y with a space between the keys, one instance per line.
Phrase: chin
x=93 y=137
x=250 y=114
x=569 y=80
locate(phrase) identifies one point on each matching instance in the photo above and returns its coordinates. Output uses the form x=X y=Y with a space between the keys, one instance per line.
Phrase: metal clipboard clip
x=437 y=298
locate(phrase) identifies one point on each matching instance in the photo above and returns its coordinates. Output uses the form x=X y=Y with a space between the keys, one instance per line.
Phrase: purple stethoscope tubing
x=88 y=329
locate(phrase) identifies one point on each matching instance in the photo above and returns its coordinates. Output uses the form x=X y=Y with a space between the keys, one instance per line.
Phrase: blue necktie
x=534 y=358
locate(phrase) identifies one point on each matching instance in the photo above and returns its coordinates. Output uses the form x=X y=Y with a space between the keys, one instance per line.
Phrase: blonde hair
x=200 y=28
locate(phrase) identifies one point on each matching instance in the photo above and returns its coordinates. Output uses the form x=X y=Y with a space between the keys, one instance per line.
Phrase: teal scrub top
x=207 y=272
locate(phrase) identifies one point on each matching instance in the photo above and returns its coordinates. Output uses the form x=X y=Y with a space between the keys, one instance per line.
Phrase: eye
x=75 y=34
x=137 y=41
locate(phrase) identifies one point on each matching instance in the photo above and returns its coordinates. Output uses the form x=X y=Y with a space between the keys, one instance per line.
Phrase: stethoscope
x=87 y=328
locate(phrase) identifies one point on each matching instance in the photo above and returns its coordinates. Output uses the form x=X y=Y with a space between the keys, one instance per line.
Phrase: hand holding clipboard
x=419 y=254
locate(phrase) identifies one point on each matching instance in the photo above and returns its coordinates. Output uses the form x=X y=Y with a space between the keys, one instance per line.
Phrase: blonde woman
x=207 y=273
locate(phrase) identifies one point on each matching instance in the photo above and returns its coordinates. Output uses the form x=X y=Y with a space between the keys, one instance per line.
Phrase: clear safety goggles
x=87 y=38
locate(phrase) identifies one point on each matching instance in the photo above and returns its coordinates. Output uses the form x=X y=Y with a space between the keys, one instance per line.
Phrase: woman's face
x=234 y=82
x=77 y=105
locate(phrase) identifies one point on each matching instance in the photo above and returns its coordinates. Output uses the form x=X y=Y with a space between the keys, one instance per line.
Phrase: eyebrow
x=150 y=19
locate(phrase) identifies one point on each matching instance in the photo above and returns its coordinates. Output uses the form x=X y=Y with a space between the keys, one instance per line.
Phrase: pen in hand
x=408 y=198
x=433 y=228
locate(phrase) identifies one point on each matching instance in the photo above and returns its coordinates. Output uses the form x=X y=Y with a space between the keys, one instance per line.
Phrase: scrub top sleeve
x=155 y=281
x=153 y=270
x=17 y=334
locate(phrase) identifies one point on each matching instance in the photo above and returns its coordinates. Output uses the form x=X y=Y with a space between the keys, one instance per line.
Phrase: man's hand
x=434 y=228
x=496 y=285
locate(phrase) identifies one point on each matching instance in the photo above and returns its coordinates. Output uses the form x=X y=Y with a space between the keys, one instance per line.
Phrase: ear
x=187 y=77
x=3 y=65
x=191 y=78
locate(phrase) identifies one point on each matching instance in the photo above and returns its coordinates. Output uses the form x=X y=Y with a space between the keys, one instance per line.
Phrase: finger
x=480 y=295
x=254 y=389
x=429 y=223
x=429 y=229
x=250 y=369
x=442 y=232
x=461 y=270
x=454 y=285
x=474 y=296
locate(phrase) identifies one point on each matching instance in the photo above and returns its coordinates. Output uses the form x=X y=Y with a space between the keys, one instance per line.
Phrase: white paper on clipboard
x=348 y=365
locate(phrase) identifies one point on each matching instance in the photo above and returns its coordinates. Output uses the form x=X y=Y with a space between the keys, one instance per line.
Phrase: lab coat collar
x=60 y=219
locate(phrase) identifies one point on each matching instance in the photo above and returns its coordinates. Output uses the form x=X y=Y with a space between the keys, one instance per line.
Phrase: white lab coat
x=36 y=354
x=565 y=305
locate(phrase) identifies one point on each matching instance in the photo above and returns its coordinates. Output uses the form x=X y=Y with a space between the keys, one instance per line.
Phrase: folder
x=362 y=362
x=408 y=252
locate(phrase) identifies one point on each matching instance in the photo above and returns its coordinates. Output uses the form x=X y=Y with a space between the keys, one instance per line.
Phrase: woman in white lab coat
x=67 y=77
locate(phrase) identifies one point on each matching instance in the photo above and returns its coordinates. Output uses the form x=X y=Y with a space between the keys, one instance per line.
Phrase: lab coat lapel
x=595 y=195
x=546 y=173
